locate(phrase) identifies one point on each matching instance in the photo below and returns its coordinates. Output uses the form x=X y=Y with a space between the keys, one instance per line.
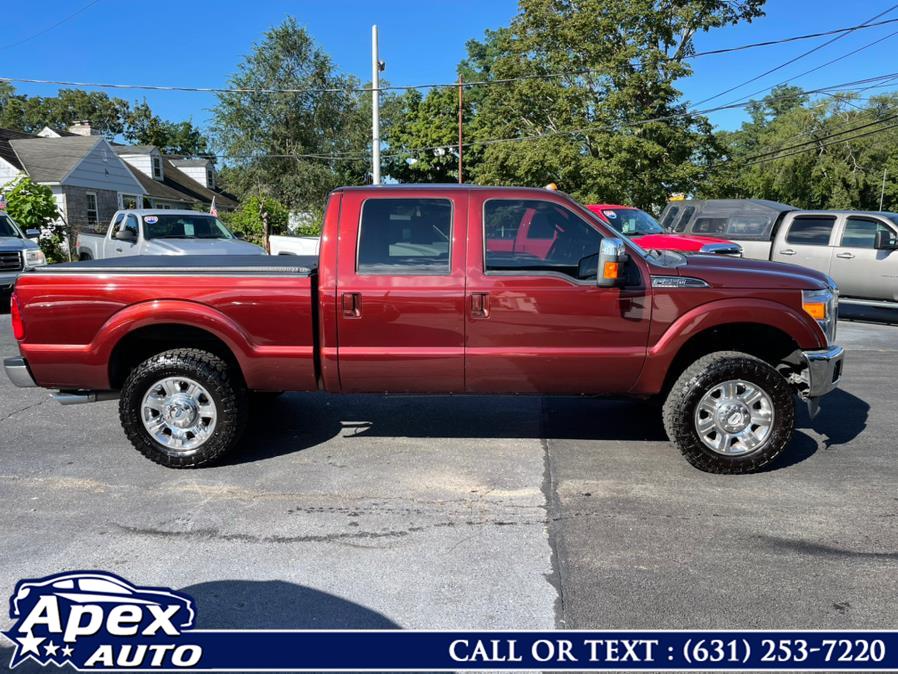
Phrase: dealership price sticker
x=94 y=621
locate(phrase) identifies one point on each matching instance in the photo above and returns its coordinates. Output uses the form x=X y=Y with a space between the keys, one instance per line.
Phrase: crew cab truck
x=416 y=290
x=141 y=231
x=859 y=249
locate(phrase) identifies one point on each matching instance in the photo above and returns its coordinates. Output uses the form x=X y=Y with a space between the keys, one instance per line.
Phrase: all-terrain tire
x=679 y=411
x=224 y=386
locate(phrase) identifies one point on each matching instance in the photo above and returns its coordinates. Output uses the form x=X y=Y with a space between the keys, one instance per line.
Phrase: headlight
x=34 y=257
x=823 y=307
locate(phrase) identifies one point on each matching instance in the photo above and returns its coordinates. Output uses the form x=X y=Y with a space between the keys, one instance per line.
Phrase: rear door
x=401 y=291
x=859 y=269
x=536 y=320
x=806 y=240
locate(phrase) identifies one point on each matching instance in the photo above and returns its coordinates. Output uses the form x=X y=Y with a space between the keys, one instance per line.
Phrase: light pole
x=376 y=67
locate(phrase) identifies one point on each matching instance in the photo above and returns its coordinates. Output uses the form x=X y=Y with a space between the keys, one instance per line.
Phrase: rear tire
x=730 y=413
x=183 y=408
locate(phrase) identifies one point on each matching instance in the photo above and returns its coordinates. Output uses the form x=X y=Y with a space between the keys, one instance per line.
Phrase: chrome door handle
x=845 y=256
x=787 y=251
x=480 y=305
x=118 y=250
x=352 y=305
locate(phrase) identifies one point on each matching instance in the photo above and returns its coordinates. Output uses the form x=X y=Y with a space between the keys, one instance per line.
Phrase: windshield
x=7 y=228
x=632 y=221
x=170 y=226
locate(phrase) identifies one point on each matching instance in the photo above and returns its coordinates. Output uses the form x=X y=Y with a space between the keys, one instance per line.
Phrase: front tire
x=183 y=408
x=730 y=413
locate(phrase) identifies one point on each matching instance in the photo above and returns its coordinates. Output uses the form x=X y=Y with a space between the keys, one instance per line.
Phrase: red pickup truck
x=417 y=290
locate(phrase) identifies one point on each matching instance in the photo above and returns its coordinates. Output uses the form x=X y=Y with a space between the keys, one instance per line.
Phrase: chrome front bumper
x=824 y=370
x=18 y=373
x=8 y=280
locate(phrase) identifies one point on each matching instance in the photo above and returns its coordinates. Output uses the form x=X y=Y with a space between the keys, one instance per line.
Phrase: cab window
x=569 y=244
x=861 y=233
x=811 y=231
x=684 y=219
x=405 y=236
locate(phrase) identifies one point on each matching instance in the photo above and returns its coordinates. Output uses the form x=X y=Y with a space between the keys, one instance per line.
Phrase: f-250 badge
x=96 y=620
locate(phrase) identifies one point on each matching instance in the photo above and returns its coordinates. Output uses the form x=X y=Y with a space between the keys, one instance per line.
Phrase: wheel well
x=137 y=346
x=762 y=341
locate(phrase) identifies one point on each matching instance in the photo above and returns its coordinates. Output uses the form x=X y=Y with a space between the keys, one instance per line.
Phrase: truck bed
x=301 y=265
x=82 y=316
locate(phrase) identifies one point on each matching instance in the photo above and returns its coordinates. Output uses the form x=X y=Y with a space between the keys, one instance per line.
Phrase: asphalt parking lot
x=472 y=512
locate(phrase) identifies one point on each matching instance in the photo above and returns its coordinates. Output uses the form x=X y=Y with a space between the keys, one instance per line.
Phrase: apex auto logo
x=96 y=620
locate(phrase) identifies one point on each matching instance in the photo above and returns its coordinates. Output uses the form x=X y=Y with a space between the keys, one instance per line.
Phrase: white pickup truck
x=163 y=232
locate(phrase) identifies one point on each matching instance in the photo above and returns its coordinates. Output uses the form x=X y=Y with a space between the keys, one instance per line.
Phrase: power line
x=792 y=60
x=431 y=85
x=514 y=139
x=49 y=28
x=822 y=145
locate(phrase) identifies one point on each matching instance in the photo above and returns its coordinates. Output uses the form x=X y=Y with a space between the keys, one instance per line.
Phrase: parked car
x=859 y=249
x=294 y=245
x=162 y=232
x=17 y=253
x=645 y=231
x=416 y=290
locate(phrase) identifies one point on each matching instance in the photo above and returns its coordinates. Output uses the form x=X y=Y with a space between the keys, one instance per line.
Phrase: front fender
x=795 y=323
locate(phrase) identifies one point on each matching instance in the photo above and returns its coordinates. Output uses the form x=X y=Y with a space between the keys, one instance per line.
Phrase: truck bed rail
x=301 y=265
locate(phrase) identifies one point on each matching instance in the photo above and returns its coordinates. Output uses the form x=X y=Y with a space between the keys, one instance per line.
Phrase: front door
x=401 y=292
x=858 y=268
x=536 y=320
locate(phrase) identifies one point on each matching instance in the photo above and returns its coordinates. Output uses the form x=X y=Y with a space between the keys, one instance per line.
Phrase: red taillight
x=18 y=328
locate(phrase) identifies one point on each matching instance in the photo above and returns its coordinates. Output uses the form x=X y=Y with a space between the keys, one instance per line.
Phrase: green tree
x=248 y=219
x=576 y=82
x=825 y=153
x=144 y=127
x=285 y=142
x=33 y=206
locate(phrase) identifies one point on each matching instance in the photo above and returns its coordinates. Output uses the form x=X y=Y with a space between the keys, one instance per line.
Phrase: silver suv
x=17 y=252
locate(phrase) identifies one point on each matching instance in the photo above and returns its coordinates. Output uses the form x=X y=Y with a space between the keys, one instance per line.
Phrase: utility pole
x=882 y=191
x=460 y=109
x=376 y=67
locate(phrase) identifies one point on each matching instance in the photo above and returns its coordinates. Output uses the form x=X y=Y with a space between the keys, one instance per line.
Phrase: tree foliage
x=33 y=206
x=112 y=117
x=807 y=153
x=581 y=78
x=248 y=219
x=268 y=137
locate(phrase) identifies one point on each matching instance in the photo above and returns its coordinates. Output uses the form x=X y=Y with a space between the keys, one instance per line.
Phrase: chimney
x=82 y=128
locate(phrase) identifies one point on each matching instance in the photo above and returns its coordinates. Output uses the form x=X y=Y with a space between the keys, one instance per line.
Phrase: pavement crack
x=550 y=493
x=24 y=409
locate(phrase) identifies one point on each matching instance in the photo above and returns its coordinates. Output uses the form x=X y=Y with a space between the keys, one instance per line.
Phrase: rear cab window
x=811 y=230
x=405 y=236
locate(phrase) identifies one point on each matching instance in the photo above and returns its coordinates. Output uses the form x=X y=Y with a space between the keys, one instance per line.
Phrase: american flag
x=212 y=209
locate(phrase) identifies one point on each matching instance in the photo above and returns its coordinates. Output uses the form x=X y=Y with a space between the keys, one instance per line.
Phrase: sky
x=200 y=43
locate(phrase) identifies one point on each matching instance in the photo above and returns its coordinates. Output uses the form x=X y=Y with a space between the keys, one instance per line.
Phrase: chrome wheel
x=178 y=413
x=734 y=418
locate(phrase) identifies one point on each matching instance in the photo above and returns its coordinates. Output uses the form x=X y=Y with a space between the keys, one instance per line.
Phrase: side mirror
x=612 y=255
x=125 y=235
x=32 y=233
x=239 y=235
x=885 y=240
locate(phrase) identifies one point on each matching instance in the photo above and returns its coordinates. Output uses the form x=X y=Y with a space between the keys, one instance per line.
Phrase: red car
x=435 y=290
x=649 y=235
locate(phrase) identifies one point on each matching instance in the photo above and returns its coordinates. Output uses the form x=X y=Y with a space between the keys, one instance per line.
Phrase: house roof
x=181 y=181
x=134 y=149
x=6 y=151
x=156 y=188
x=188 y=162
x=49 y=160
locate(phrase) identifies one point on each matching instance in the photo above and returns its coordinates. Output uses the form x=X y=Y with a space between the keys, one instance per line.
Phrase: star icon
x=29 y=644
x=67 y=652
x=51 y=648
